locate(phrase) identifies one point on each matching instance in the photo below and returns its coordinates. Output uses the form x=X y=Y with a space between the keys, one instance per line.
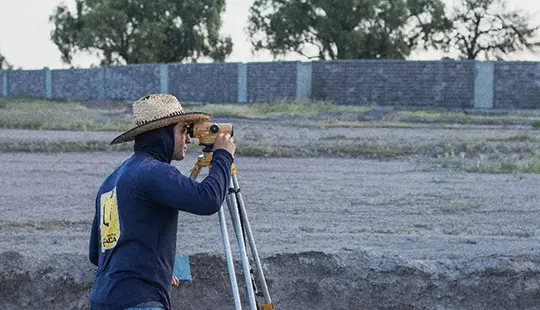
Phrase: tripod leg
x=228 y=252
x=251 y=240
x=235 y=216
x=230 y=261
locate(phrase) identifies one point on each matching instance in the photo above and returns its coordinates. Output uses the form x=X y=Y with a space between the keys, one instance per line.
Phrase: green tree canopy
x=487 y=29
x=346 y=29
x=142 y=31
x=4 y=64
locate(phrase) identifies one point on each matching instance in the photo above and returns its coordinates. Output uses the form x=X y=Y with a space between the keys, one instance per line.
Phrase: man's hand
x=175 y=281
x=225 y=142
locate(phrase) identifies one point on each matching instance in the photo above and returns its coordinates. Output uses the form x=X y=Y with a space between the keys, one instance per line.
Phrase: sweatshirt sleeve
x=172 y=189
x=93 y=251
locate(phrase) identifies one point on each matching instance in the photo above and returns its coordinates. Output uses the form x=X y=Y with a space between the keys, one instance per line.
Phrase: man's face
x=181 y=140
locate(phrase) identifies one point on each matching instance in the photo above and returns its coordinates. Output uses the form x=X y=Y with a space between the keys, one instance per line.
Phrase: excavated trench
x=308 y=280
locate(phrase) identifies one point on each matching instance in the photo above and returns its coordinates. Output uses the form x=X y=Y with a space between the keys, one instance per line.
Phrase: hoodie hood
x=158 y=143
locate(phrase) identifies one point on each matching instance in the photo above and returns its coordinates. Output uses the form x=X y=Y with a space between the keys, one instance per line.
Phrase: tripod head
x=207 y=132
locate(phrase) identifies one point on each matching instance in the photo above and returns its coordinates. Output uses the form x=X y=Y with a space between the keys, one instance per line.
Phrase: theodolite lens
x=214 y=128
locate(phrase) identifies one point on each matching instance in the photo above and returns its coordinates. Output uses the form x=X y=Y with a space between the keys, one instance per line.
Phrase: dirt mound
x=309 y=280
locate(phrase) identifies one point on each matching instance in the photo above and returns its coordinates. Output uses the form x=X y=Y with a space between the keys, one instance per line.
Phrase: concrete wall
x=271 y=81
x=28 y=83
x=462 y=84
x=517 y=85
x=77 y=84
x=395 y=82
x=203 y=82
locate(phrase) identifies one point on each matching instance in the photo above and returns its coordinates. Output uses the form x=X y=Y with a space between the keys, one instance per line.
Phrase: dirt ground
x=333 y=232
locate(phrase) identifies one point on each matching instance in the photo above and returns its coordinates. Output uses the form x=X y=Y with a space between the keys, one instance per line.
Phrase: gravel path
x=329 y=205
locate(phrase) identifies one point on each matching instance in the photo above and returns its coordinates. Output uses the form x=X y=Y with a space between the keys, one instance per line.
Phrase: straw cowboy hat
x=156 y=111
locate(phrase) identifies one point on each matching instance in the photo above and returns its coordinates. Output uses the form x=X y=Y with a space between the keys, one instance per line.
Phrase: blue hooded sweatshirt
x=133 y=235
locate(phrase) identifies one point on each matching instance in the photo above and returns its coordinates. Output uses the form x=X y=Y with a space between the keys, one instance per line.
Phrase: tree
x=4 y=64
x=142 y=31
x=346 y=29
x=487 y=29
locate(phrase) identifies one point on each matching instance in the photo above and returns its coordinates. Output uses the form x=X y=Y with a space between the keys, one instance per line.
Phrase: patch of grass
x=514 y=138
x=61 y=116
x=334 y=137
x=423 y=226
x=253 y=135
x=258 y=150
x=454 y=149
x=371 y=124
x=63 y=146
x=39 y=225
x=460 y=207
x=442 y=115
x=290 y=108
x=351 y=124
x=221 y=109
x=45 y=114
x=526 y=166
x=385 y=231
x=536 y=124
x=363 y=149
x=514 y=233
x=434 y=114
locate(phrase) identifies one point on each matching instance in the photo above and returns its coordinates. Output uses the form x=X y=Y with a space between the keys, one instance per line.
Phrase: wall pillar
x=101 y=94
x=164 y=78
x=303 y=81
x=483 y=85
x=242 y=82
x=48 y=83
x=4 y=83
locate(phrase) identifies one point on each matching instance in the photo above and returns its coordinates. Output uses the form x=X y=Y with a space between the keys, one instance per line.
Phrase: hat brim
x=188 y=117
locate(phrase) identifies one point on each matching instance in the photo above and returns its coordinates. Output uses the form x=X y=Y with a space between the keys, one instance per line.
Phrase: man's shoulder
x=136 y=168
x=146 y=166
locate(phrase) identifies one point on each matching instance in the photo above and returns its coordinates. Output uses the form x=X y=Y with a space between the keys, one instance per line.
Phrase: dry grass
x=61 y=116
x=63 y=146
x=531 y=165
x=39 y=225
x=275 y=109
x=460 y=207
x=354 y=124
x=42 y=114
x=462 y=115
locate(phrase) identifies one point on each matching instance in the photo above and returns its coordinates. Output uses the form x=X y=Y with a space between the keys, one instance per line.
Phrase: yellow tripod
x=257 y=300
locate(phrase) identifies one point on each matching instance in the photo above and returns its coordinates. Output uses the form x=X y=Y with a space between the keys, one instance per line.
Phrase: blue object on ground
x=182 y=269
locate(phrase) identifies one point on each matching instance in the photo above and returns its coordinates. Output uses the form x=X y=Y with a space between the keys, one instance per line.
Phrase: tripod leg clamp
x=232 y=190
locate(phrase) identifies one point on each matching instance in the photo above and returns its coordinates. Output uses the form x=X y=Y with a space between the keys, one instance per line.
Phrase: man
x=133 y=236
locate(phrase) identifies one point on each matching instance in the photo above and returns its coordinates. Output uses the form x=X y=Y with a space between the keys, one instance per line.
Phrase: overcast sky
x=25 y=31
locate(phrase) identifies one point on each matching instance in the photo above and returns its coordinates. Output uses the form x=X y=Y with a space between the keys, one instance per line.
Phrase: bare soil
x=334 y=232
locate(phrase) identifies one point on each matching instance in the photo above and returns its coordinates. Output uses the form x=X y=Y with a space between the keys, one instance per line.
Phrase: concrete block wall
x=459 y=84
x=396 y=83
x=516 y=85
x=271 y=81
x=203 y=82
x=131 y=82
x=27 y=83
x=77 y=84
